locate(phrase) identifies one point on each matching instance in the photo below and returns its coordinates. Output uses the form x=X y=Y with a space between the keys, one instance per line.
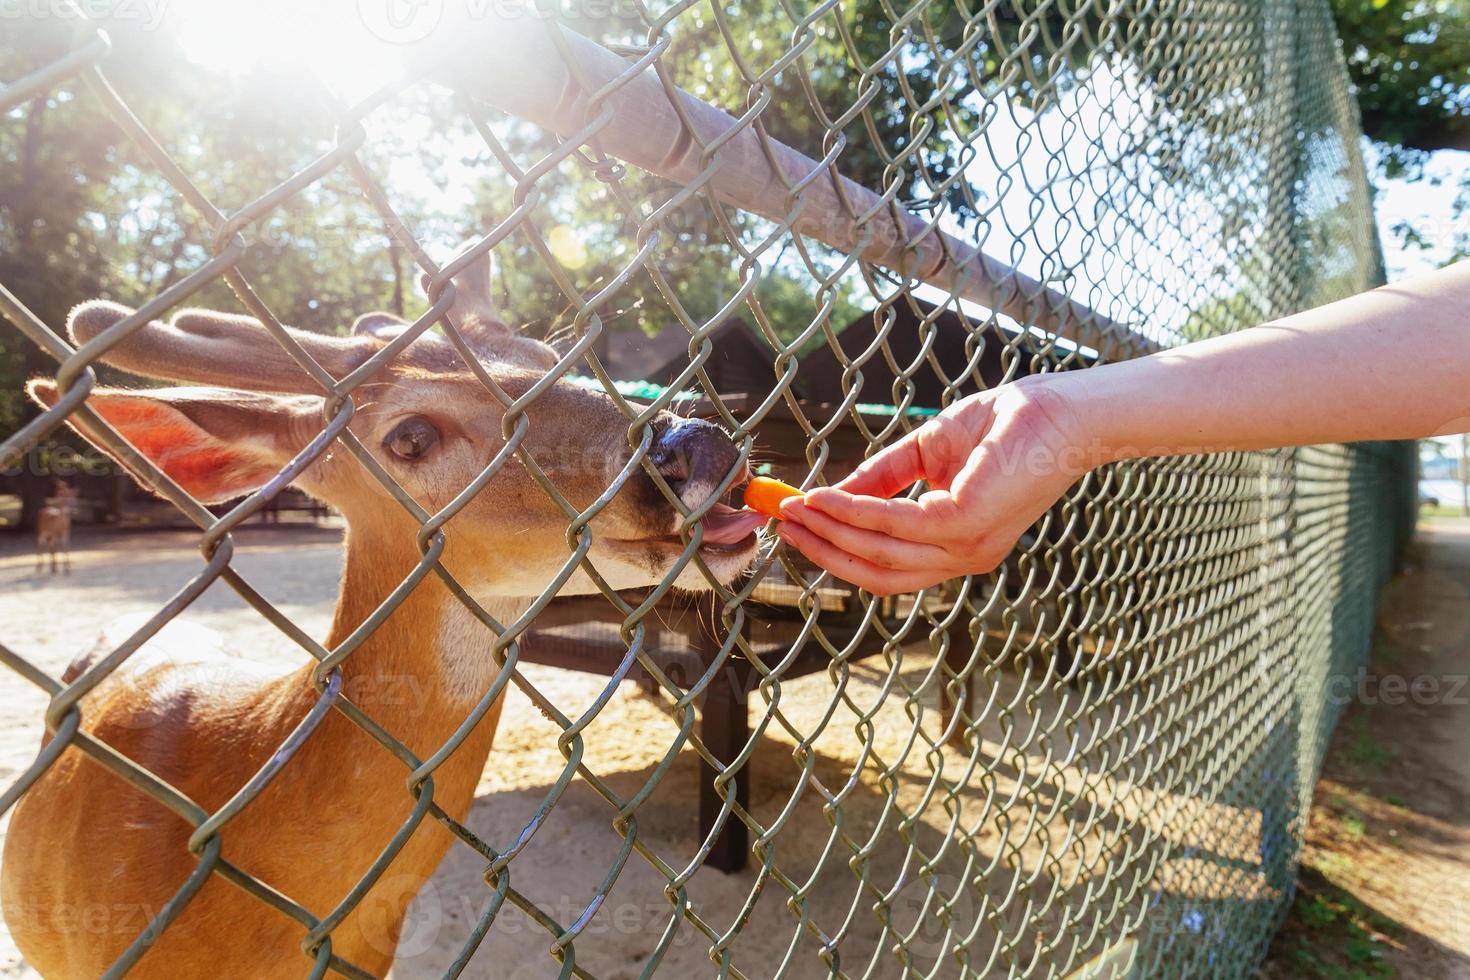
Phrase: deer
x=205 y=720
x=53 y=527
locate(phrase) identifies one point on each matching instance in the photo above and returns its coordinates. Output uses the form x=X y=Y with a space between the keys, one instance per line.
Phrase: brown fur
x=114 y=852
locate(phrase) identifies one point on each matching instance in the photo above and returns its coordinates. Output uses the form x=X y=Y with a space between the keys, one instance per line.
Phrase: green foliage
x=1410 y=63
x=85 y=214
x=1331 y=935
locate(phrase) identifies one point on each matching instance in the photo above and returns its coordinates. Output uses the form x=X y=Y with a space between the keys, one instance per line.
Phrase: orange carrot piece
x=764 y=495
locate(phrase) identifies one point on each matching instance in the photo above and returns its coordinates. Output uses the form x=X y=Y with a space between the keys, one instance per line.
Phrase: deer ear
x=215 y=443
x=473 y=311
x=204 y=347
x=383 y=326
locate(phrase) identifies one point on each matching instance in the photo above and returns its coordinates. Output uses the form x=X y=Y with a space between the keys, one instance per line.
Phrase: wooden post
x=724 y=728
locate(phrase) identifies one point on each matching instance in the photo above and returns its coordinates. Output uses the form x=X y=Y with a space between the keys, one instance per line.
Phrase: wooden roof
x=741 y=362
x=962 y=348
x=963 y=353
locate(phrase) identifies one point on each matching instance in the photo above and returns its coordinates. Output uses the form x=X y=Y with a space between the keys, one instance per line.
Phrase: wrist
x=1057 y=410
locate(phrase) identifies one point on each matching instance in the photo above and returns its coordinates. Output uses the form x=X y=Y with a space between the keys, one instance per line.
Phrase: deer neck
x=420 y=673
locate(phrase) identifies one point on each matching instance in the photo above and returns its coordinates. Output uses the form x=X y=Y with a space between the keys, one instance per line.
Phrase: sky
x=1033 y=220
x=353 y=60
x=1427 y=205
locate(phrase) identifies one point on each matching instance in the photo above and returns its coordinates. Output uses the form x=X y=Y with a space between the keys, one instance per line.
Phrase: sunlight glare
x=328 y=38
x=567 y=246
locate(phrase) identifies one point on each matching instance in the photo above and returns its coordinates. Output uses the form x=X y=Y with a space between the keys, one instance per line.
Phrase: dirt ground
x=1410 y=824
x=49 y=618
x=1385 y=882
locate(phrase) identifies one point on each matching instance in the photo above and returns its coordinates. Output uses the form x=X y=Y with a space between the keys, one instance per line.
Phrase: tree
x=83 y=214
x=1410 y=64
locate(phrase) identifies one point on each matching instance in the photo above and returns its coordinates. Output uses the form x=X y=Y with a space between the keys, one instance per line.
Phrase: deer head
x=434 y=426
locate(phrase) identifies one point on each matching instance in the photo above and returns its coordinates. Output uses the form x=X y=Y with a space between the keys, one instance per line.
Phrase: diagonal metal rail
x=540 y=71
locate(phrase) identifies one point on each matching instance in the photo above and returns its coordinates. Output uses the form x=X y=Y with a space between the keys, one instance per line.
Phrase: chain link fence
x=1096 y=760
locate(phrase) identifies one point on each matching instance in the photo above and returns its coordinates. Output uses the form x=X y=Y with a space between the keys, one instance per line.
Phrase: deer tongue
x=726 y=525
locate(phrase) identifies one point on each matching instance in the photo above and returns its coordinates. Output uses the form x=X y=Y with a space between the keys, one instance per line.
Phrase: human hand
x=994 y=463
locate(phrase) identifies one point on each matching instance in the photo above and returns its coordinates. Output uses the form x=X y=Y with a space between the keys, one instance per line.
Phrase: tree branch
x=1412 y=134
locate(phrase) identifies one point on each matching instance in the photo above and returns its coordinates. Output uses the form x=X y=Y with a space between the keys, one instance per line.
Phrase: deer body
x=310 y=835
x=89 y=860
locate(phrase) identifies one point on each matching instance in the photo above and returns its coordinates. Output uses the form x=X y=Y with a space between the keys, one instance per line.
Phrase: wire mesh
x=1106 y=745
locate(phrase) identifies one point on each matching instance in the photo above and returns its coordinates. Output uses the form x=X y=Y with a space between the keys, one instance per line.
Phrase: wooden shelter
x=740 y=363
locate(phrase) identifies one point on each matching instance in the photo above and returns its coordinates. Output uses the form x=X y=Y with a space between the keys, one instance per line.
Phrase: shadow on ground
x=1385 y=883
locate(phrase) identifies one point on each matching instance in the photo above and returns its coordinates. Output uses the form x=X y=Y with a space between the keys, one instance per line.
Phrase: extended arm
x=1393 y=363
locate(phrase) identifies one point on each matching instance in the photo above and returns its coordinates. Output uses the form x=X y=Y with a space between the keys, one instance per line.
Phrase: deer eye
x=411 y=438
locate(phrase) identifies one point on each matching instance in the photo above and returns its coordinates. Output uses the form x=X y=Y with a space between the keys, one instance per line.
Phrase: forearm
x=1393 y=363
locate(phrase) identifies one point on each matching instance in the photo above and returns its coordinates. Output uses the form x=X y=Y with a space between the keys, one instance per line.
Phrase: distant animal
x=53 y=528
x=205 y=721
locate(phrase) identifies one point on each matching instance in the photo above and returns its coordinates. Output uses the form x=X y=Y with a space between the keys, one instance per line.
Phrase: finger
x=932 y=519
x=934 y=452
x=878 y=548
x=896 y=467
x=851 y=568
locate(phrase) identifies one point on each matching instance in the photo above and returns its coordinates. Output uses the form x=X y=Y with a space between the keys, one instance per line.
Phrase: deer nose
x=693 y=456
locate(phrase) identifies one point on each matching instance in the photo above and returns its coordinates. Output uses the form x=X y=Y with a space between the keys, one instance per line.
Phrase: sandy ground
x=1386 y=868
x=1020 y=814
x=49 y=619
